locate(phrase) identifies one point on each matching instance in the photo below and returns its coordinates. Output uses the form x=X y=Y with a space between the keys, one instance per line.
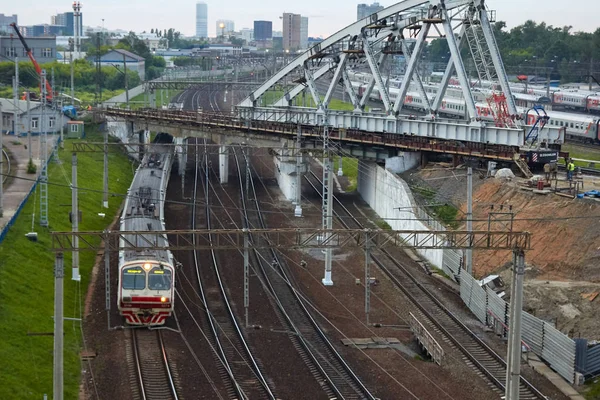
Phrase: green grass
x=593 y=389
x=586 y=153
x=350 y=168
x=26 y=276
x=445 y=213
x=582 y=152
x=383 y=224
x=138 y=101
x=86 y=97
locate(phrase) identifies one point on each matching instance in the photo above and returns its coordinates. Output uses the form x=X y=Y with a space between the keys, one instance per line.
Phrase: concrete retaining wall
x=390 y=197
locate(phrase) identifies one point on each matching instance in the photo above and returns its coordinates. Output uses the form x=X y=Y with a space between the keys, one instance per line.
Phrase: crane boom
x=38 y=69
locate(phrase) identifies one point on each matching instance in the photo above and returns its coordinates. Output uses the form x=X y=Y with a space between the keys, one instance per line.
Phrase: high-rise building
x=247 y=34
x=201 y=19
x=304 y=32
x=225 y=27
x=5 y=21
x=263 y=30
x=67 y=20
x=364 y=10
x=291 y=31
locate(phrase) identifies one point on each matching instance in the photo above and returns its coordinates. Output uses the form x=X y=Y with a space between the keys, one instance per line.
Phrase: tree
x=152 y=30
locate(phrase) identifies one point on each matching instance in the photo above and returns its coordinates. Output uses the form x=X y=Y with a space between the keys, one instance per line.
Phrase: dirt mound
x=565 y=232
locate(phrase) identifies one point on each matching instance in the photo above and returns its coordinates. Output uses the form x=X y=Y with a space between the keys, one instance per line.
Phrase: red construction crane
x=37 y=67
x=499 y=108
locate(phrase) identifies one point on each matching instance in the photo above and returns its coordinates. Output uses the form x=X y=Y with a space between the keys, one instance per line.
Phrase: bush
x=31 y=167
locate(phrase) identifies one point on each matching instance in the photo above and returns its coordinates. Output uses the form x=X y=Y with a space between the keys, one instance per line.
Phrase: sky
x=325 y=16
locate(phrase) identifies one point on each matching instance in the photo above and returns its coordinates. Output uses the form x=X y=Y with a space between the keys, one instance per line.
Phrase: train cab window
x=561 y=123
x=571 y=124
x=159 y=279
x=134 y=278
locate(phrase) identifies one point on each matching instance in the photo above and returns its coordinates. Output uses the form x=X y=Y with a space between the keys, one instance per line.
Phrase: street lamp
x=222 y=26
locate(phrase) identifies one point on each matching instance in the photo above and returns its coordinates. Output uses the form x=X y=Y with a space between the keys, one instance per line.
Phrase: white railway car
x=147 y=277
x=578 y=100
x=578 y=127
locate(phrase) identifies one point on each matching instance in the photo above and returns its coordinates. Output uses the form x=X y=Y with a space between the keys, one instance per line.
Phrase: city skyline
x=324 y=19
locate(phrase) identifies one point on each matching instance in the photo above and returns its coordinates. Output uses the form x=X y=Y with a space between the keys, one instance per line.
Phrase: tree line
x=538 y=49
x=84 y=73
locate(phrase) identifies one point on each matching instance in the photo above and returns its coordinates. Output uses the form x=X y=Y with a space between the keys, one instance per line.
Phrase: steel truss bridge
x=367 y=45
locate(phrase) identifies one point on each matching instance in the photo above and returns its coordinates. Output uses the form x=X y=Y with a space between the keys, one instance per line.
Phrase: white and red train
x=580 y=127
x=146 y=275
x=565 y=98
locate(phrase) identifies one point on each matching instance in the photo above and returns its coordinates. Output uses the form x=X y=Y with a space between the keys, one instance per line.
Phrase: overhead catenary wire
x=116 y=194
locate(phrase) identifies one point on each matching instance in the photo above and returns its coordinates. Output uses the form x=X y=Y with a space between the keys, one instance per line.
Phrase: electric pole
x=126 y=82
x=72 y=46
x=469 y=252
x=59 y=274
x=16 y=94
x=62 y=126
x=44 y=163
x=513 y=362
x=298 y=210
x=105 y=195
x=591 y=73
x=74 y=218
x=28 y=125
x=327 y=205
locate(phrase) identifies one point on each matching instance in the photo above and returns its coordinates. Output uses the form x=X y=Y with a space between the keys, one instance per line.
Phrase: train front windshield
x=159 y=279
x=134 y=278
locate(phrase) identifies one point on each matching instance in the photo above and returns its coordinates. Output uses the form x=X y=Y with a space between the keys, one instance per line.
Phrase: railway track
x=238 y=366
x=149 y=360
x=323 y=360
x=475 y=352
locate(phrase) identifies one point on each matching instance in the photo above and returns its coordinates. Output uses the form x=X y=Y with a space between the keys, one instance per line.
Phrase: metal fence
x=451 y=263
x=539 y=336
x=13 y=219
x=587 y=358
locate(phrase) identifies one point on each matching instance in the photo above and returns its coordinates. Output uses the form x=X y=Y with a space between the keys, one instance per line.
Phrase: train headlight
x=163 y=299
x=147 y=266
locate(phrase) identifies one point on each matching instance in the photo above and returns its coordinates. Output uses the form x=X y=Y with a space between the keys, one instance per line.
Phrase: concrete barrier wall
x=390 y=197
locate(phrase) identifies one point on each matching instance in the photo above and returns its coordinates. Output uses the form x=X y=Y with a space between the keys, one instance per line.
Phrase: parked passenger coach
x=146 y=275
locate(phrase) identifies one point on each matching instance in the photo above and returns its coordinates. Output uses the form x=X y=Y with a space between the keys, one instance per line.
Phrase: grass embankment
x=26 y=275
x=585 y=153
x=592 y=389
x=445 y=213
x=139 y=101
x=350 y=169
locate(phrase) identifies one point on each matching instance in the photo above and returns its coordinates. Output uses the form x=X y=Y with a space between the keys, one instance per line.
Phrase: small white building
x=52 y=117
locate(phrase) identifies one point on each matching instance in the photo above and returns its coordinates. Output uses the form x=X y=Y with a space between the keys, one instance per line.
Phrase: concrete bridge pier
x=143 y=140
x=181 y=150
x=288 y=172
x=404 y=161
x=224 y=163
x=152 y=99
